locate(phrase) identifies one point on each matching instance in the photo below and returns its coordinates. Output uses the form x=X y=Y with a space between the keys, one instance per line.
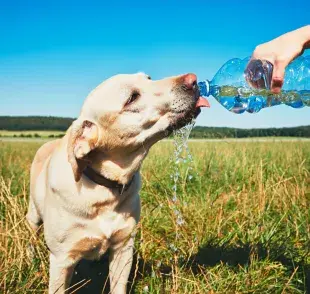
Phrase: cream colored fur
x=112 y=135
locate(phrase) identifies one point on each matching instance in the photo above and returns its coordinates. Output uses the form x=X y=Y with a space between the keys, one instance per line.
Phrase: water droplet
x=172 y=247
x=176 y=212
x=145 y=289
x=180 y=220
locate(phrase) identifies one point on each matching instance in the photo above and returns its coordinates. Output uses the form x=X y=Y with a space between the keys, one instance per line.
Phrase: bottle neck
x=204 y=88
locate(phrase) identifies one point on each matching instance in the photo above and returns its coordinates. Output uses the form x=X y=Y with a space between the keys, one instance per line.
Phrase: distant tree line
x=35 y=135
x=218 y=132
x=34 y=123
x=50 y=123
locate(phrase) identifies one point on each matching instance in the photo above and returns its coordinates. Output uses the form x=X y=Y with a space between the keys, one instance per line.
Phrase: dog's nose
x=190 y=81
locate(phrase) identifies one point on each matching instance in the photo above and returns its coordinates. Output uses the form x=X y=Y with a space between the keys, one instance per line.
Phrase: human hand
x=280 y=52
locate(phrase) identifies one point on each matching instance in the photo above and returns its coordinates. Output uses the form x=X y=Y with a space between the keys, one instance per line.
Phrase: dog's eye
x=133 y=97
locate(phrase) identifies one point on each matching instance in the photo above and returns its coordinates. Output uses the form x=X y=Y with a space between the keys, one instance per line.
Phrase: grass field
x=246 y=227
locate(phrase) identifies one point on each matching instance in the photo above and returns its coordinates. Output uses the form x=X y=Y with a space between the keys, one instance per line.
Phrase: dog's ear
x=83 y=138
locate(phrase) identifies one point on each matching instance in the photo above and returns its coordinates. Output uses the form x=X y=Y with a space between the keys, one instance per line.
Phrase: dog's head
x=127 y=114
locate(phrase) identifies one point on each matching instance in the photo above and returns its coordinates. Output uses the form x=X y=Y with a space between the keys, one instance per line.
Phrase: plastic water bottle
x=230 y=86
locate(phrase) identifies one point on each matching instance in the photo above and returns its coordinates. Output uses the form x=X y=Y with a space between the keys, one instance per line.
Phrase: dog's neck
x=120 y=168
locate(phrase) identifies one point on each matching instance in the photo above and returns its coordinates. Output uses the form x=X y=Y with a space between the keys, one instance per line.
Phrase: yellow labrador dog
x=84 y=187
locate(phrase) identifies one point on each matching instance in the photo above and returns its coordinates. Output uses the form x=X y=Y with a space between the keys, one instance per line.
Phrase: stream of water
x=182 y=160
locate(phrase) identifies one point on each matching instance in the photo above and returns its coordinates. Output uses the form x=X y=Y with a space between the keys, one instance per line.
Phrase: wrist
x=305 y=36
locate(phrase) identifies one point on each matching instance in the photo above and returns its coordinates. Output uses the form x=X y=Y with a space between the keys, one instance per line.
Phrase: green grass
x=246 y=224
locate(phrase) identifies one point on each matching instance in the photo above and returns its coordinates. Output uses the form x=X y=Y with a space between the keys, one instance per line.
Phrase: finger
x=258 y=74
x=278 y=77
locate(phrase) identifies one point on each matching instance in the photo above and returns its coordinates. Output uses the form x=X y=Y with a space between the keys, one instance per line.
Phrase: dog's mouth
x=184 y=117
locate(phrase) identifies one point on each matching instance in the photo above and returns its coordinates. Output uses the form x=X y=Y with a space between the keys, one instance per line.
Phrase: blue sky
x=53 y=53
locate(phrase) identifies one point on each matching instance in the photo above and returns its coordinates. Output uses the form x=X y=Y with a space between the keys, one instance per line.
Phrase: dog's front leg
x=60 y=276
x=120 y=265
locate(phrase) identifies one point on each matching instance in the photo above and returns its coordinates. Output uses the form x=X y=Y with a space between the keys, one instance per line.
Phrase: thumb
x=278 y=76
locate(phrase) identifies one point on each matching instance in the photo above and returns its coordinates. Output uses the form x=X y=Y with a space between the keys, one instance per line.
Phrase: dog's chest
x=108 y=223
x=106 y=230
